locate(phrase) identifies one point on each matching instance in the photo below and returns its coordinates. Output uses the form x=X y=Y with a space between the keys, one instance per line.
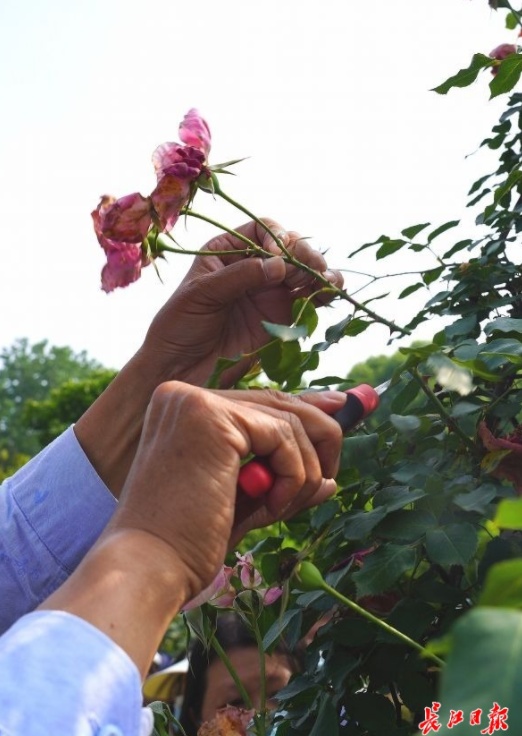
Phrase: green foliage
x=64 y=405
x=425 y=530
x=32 y=372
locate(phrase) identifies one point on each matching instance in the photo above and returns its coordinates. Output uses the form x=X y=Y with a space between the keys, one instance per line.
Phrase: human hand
x=218 y=308
x=181 y=488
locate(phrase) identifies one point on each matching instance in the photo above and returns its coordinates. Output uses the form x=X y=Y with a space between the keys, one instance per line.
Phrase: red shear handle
x=255 y=477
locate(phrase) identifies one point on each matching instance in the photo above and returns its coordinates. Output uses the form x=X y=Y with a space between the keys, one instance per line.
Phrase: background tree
x=31 y=372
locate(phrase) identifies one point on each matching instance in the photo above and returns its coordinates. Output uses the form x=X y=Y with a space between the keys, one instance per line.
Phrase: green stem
x=441 y=409
x=185 y=251
x=382 y=624
x=235 y=233
x=260 y=717
x=233 y=674
x=341 y=293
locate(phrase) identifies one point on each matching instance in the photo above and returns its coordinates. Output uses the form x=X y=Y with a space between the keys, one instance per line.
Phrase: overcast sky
x=329 y=101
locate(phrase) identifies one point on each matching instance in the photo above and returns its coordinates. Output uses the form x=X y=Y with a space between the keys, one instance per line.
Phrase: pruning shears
x=256 y=478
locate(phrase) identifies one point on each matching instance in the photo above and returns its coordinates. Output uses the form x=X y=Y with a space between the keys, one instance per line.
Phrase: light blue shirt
x=59 y=676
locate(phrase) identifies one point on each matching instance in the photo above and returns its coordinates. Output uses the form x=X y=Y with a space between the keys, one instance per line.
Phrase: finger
x=313 y=410
x=293 y=460
x=253 y=231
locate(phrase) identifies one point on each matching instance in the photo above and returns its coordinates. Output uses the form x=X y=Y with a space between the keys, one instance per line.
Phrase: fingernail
x=330 y=275
x=335 y=397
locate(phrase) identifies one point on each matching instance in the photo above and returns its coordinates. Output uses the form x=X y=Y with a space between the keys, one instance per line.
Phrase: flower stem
x=341 y=293
x=260 y=717
x=250 y=243
x=382 y=624
x=233 y=674
x=185 y=251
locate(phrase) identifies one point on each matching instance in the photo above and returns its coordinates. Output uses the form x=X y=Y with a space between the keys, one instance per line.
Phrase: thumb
x=233 y=281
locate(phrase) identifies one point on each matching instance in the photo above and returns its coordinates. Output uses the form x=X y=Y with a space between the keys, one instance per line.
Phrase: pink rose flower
x=185 y=162
x=509 y=466
x=221 y=592
x=194 y=131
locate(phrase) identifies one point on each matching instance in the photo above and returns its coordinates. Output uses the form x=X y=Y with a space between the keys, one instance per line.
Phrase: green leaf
x=508 y=74
x=388 y=247
x=413 y=230
x=453 y=544
x=509 y=514
x=305 y=314
x=458 y=247
x=410 y=290
x=442 y=229
x=397 y=497
x=272 y=636
x=407 y=526
x=432 y=275
x=285 y=333
x=484 y=667
x=465 y=77
x=360 y=523
x=359 y=451
x=221 y=366
x=503 y=585
x=503 y=324
x=372 y=711
x=405 y=424
x=327 y=719
x=476 y=500
x=383 y=568
x=405 y=396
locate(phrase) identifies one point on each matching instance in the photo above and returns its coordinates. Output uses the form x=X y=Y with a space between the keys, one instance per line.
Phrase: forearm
x=129 y=587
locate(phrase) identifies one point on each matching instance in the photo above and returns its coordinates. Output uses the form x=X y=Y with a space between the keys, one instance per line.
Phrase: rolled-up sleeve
x=51 y=512
x=59 y=675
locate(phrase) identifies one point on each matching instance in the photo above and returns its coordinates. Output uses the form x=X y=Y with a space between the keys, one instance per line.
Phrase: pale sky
x=329 y=101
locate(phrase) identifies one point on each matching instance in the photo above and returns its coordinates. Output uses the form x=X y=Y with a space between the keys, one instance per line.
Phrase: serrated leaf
x=503 y=585
x=383 y=568
x=432 y=275
x=477 y=499
x=458 y=247
x=405 y=396
x=465 y=77
x=359 y=524
x=508 y=74
x=453 y=544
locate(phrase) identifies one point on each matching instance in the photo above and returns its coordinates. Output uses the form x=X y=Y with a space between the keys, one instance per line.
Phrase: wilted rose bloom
x=188 y=161
x=123 y=267
x=501 y=52
x=510 y=465
x=228 y=721
x=127 y=219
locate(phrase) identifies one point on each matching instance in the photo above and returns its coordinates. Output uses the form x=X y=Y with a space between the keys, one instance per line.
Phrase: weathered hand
x=218 y=308
x=182 y=485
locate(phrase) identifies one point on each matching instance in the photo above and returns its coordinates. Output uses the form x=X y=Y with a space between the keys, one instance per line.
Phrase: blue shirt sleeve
x=51 y=512
x=60 y=676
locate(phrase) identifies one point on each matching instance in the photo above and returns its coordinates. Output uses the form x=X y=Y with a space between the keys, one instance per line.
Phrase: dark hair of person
x=231 y=633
